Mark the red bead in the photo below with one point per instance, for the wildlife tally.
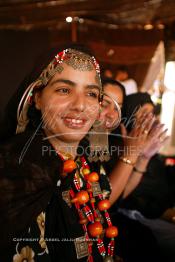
(93, 177)
(69, 166)
(95, 229)
(104, 205)
(111, 231)
(82, 197)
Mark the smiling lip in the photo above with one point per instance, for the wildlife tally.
(73, 122)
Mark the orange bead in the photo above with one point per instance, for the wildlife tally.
(82, 197)
(104, 205)
(93, 177)
(95, 229)
(69, 166)
(85, 171)
(83, 221)
(111, 231)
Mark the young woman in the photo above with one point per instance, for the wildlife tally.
(50, 199)
(53, 203)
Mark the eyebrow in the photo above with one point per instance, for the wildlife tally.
(93, 87)
(65, 81)
(73, 84)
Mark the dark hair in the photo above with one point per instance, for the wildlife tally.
(111, 81)
(132, 104)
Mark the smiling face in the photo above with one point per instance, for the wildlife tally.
(110, 115)
(115, 92)
(69, 103)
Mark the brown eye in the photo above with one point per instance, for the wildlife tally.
(93, 94)
(63, 90)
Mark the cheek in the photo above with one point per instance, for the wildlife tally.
(115, 117)
(92, 111)
(52, 105)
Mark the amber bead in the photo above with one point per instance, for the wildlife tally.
(82, 197)
(104, 205)
(93, 177)
(111, 231)
(95, 229)
(69, 166)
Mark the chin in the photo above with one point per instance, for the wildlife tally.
(70, 135)
(73, 138)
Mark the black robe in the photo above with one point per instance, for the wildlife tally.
(29, 172)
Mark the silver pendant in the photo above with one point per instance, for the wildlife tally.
(81, 247)
(96, 189)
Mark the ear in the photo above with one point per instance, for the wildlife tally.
(37, 99)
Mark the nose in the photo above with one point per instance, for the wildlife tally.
(78, 103)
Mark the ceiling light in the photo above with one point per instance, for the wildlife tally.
(148, 26)
(160, 26)
(81, 20)
(69, 19)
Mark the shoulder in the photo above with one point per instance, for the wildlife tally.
(28, 151)
(16, 145)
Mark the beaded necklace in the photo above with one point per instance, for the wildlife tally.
(91, 204)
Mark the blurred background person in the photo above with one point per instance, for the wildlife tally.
(130, 84)
(156, 191)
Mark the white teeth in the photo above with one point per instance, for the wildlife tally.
(75, 121)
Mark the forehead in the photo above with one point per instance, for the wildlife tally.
(77, 75)
(113, 90)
